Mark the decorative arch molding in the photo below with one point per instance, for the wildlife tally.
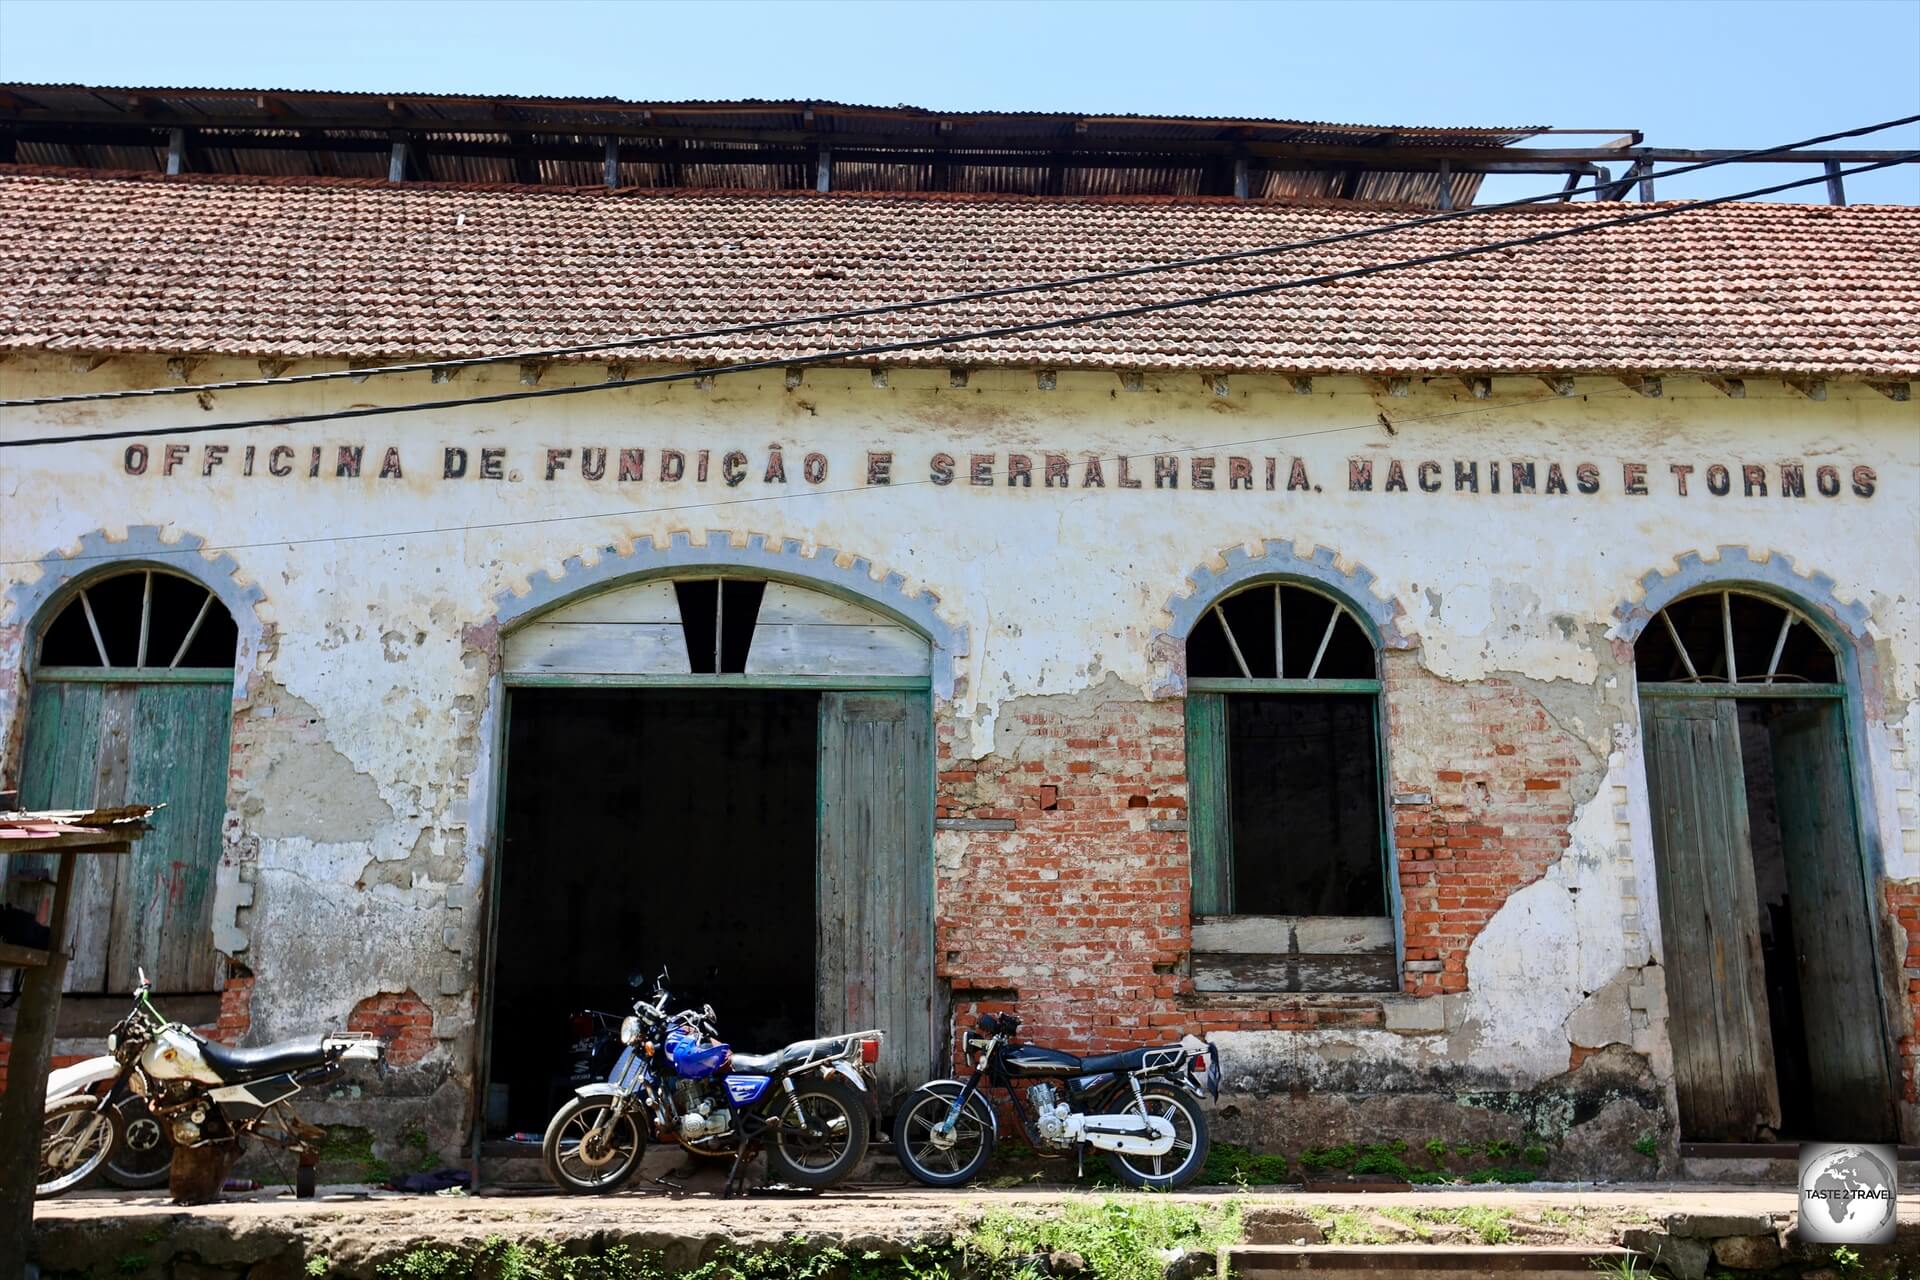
(1278, 561)
(1772, 575)
(782, 559)
(100, 555)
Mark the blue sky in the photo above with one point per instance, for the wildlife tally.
(1720, 74)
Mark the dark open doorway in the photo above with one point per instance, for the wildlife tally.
(645, 827)
(1767, 922)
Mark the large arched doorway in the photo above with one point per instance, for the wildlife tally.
(1774, 1003)
(130, 700)
(729, 775)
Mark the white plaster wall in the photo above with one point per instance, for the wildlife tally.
(370, 585)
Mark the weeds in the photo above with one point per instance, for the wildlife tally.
(1120, 1238)
(1235, 1166)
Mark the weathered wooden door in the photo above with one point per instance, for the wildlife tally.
(94, 743)
(874, 893)
(1852, 1084)
(1209, 814)
(1723, 1060)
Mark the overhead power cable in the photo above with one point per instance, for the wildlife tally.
(894, 308)
(757, 499)
(997, 331)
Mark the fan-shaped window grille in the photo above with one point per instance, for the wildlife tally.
(1732, 638)
(716, 626)
(146, 619)
(1285, 814)
(1278, 631)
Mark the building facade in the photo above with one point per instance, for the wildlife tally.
(1480, 699)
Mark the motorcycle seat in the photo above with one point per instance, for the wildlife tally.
(1130, 1060)
(267, 1060)
(766, 1064)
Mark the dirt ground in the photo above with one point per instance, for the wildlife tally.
(1562, 1215)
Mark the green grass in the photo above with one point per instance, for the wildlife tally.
(1120, 1237)
(1229, 1165)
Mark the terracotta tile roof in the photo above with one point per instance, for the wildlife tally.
(371, 271)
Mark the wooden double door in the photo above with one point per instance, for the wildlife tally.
(97, 742)
(1732, 1048)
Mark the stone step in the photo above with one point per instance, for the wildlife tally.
(1423, 1261)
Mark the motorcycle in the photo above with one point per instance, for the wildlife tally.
(1138, 1108)
(810, 1104)
(144, 1157)
(201, 1093)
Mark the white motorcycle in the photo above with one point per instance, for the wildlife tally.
(197, 1092)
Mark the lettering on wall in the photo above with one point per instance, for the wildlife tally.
(1031, 470)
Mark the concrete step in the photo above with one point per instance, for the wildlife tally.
(1423, 1261)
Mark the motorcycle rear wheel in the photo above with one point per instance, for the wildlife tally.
(1181, 1165)
(804, 1160)
(145, 1156)
(77, 1139)
(920, 1150)
(580, 1162)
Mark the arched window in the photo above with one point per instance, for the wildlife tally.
(1286, 822)
(144, 619)
(1732, 637)
(131, 702)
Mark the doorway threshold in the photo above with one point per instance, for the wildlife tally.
(1765, 1150)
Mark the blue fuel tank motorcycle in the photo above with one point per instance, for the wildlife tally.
(810, 1105)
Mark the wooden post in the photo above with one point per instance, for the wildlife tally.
(26, 1096)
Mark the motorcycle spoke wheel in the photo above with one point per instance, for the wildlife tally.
(924, 1147)
(1164, 1169)
(817, 1129)
(598, 1148)
(76, 1140)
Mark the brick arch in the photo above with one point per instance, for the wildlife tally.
(781, 559)
(1843, 624)
(1276, 561)
(100, 555)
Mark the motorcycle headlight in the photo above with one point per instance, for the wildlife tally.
(630, 1030)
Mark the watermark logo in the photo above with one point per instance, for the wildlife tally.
(1847, 1193)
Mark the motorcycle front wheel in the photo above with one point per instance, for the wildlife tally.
(77, 1139)
(939, 1160)
(822, 1136)
(1179, 1166)
(145, 1156)
(591, 1146)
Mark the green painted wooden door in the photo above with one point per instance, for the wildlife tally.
(94, 743)
(1852, 1082)
(874, 892)
(1209, 814)
(1709, 921)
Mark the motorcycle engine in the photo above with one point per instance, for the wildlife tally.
(703, 1112)
(1049, 1114)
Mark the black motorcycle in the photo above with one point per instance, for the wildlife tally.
(1138, 1108)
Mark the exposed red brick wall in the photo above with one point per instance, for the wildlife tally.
(1497, 820)
(236, 1012)
(1903, 904)
(1083, 909)
(401, 1019)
